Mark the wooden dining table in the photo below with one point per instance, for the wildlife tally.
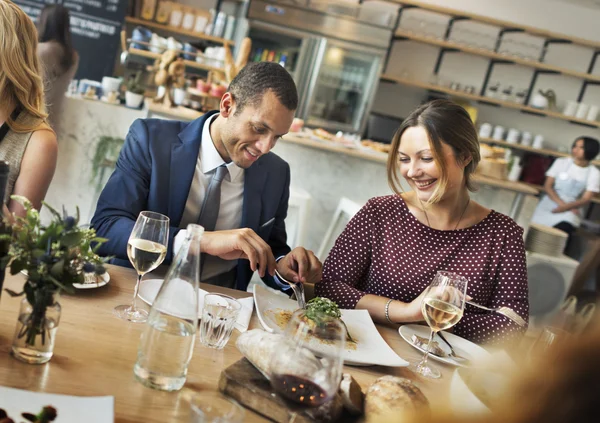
(95, 353)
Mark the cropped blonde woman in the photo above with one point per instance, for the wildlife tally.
(391, 250)
(27, 143)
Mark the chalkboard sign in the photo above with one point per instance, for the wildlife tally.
(95, 28)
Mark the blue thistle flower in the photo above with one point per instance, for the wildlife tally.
(89, 267)
(69, 222)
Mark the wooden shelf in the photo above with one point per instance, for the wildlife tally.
(500, 23)
(493, 55)
(489, 100)
(543, 151)
(155, 25)
(188, 63)
(198, 93)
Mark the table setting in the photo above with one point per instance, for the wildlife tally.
(259, 357)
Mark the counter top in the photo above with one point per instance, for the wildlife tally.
(178, 112)
(378, 157)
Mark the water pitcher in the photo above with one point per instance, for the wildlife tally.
(167, 343)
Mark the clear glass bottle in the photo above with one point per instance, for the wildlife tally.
(167, 343)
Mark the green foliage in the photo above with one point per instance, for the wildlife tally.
(53, 256)
(135, 86)
(106, 149)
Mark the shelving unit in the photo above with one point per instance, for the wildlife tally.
(487, 100)
(188, 63)
(447, 46)
(180, 31)
(498, 22)
(403, 34)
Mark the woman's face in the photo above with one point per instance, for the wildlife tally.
(578, 150)
(420, 170)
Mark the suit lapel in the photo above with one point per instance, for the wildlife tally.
(254, 181)
(184, 155)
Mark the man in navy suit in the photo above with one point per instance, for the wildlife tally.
(168, 167)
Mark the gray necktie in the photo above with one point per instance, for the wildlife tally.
(212, 201)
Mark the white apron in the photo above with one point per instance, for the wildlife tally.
(569, 190)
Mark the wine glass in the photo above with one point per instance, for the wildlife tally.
(146, 249)
(442, 308)
(296, 373)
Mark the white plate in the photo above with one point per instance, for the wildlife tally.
(371, 348)
(461, 346)
(102, 280)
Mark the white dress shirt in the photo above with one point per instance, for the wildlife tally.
(232, 197)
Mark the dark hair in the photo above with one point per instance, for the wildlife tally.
(591, 147)
(256, 79)
(54, 25)
(445, 122)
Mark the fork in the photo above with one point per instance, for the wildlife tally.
(298, 289)
(505, 311)
(452, 353)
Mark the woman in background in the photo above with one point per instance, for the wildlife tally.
(571, 182)
(390, 251)
(27, 143)
(58, 58)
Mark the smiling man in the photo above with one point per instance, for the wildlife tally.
(216, 171)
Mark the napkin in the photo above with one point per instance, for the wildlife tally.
(70, 409)
(149, 289)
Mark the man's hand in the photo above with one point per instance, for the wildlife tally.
(561, 208)
(240, 243)
(301, 265)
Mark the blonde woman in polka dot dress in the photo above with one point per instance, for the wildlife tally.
(390, 251)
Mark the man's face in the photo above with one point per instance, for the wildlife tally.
(249, 134)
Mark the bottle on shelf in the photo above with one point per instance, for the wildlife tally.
(283, 59)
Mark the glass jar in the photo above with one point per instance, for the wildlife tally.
(36, 329)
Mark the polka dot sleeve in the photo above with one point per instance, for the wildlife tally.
(348, 261)
(509, 289)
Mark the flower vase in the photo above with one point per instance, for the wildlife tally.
(35, 333)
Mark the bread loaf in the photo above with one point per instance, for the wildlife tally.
(393, 397)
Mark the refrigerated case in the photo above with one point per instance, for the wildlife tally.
(335, 59)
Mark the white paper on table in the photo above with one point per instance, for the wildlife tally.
(70, 409)
(149, 289)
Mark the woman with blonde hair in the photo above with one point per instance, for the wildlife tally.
(390, 251)
(27, 143)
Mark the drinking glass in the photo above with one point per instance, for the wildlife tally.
(219, 314)
(442, 307)
(296, 373)
(146, 249)
(213, 407)
(548, 338)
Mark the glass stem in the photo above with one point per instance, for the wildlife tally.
(423, 362)
(135, 294)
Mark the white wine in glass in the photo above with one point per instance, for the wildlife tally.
(146, 249)
(442, 308)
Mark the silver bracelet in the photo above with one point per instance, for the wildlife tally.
(387, 310)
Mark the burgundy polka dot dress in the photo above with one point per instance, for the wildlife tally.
(386, 251)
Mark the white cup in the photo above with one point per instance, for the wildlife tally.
(570, 108)
(485, 130)
(498, 132)
(176, 18)
(582, 111)
(526, 138)
(178, 96)
(513, 135)
(188, 21)
(593, 113)
(538, 141)
(515, 170)
(201, 22)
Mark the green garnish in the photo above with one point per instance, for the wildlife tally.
(321, 308)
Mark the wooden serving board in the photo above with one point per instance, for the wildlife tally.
(244, 383)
